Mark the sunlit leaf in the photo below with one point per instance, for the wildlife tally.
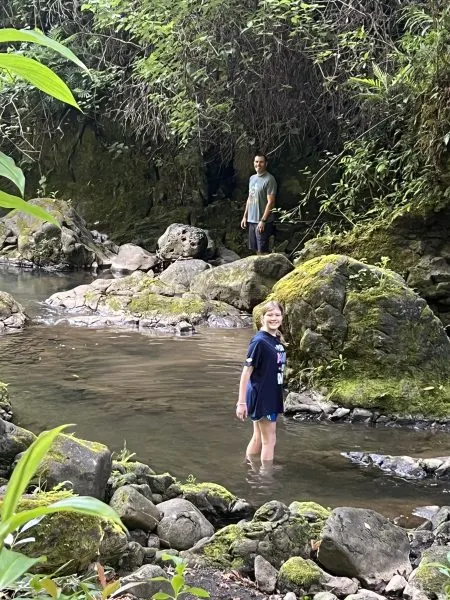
(38, 75)
(199, 592)
(12, 172)
(14, 565)
(10, 201)
(26, 468)
(37, 37)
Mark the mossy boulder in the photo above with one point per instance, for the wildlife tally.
(358, 333)
(242, 283)
(416, 246)
(275, 533)
(28, 240)
(5, 403)
(213, 500)
(142, 301)
(70, 540)
(301, 576)
(427, 578)
(12, 315)
(13, 441)
(83, 465)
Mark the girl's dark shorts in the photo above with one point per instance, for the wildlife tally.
(260, 241)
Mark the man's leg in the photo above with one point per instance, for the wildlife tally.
(252, 239)
(263, 239)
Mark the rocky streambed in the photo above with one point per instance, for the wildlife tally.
(231, 546)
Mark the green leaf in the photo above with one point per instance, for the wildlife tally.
(177, 583)
(9, 201)
(26, 468)
(199, 592)
(110, 588)
(37, 37)
(38, 75)
(9, 170)
(161, 596)
(13, 566)
(50, 587)
(84, 505)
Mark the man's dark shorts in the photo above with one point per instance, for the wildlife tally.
(260, 241)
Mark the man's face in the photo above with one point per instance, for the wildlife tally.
(260, 164)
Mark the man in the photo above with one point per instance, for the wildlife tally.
(258, 209)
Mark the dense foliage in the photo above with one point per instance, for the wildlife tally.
(365, 82)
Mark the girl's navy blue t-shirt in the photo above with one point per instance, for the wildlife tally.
(267, 356)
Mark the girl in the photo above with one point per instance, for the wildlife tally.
(261, 385)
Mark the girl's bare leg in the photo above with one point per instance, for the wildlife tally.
(255, 445)
(268, 430)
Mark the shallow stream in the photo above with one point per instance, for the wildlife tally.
(171, 400)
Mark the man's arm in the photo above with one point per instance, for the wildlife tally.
(244, 218)
(269, 206)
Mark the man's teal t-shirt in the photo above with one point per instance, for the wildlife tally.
(259, 187)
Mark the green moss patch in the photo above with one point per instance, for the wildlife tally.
(210, 489)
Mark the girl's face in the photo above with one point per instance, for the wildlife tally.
(272, 319)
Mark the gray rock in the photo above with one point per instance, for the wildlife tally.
(224, 256)
(12, 315)
(396, 584)
(136, 511)
(265, 575)
(341, 586)
(133, 557)
(34, 242)
(243, 283)
(180, 273)
(133, 258)
(339, 413)
(86, 465)
(365, 595)
(140, 583)
(362, 543)
(324, 596)
(182, 524)
(13, 441)
(292, 596)
(361, 414)
(153, 541)
(182, 241)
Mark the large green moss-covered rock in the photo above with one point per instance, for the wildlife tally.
(13, 441)
(83, 465)
(70, 540)
(359, 333)
(428, 579)
(142, 301)
(242, 283)
(275, 533)
(301, 576)
(417, 247)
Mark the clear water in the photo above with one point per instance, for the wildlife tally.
(172, 400)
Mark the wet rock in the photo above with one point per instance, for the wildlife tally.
(84, 465)
(265, 575)
(13, 441)
(182, 524)
(133, 258)
(6, 411)
(12, 315)
(134, 509)
(142, 302)
(339, 413)
(182, 241)
(406, 467)
(362, 543)
(243, 283)
(215, 502)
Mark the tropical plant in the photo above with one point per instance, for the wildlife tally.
(13, 564)
(177, 582)
(14, 65)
